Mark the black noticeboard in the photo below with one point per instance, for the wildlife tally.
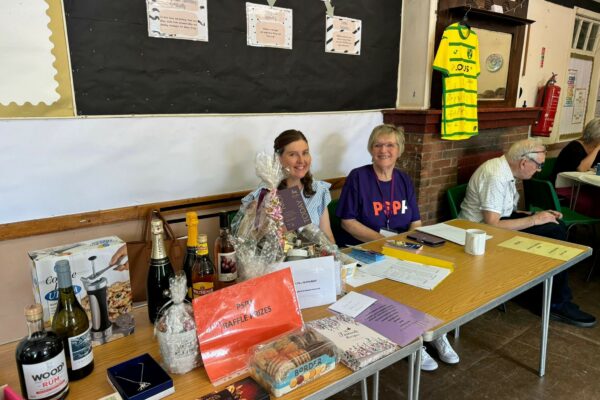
(118, 69)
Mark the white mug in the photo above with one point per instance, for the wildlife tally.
(475, 242)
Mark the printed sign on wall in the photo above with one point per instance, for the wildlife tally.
(268, 26)
(342, 35)
(178, 19)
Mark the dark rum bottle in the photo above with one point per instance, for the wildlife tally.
(224, 253)
(191, 220)
(160, 270)
(71, 323)
(41, 360)
(203, 273)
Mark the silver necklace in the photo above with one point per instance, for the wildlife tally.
(142, 385)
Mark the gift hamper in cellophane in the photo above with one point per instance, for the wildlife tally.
(291, 360)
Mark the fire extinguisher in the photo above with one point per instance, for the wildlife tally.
(547, 98)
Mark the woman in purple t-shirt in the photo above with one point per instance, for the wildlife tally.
(378, 198)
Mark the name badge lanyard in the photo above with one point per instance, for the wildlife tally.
(387, 209)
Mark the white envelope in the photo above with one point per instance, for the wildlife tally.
(314, 279)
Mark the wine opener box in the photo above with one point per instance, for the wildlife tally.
(100, 274)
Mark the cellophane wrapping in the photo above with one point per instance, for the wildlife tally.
(258, 229)
(176, 330)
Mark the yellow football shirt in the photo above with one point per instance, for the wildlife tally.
(457, 59)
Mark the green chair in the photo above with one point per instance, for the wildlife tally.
(545, 173)
(456, 195)
(334, 220)
(540, 195)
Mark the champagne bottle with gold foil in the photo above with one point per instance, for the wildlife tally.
(203, 273)
(191, 220)
(159, 272)
(71, 323)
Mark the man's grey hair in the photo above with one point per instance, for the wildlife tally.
(523, 147)
(591, 132)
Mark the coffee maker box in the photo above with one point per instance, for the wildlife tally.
(100, 274)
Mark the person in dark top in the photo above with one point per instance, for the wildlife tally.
(581, 155)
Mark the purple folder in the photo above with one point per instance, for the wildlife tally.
(399, 323)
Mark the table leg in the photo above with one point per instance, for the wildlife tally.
(572, 195)
(375, 391)
(576, 197)
(457, 332)
(363, 389)
(545, 323)
(411, 375)
(417, 379)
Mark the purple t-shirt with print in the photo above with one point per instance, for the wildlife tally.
(366, 199)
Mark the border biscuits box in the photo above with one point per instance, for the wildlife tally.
(291, 360)
(100, 273)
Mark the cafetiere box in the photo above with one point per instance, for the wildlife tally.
(100, 275)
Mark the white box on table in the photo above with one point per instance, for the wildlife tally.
(100, 274)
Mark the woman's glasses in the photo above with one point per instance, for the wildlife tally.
(387, 146)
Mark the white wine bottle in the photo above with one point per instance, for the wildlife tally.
(191, 220)
(71, 323)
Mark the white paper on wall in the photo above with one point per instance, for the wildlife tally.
(178, 19)
(343, 35)
(268, 26)
(26, 70)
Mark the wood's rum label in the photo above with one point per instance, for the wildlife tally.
(46, 378)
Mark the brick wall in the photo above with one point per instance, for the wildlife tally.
(432, 164)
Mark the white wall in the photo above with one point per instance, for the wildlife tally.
(553, 30)
(67, 166)
(417, 37)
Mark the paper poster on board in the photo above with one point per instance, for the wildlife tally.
(579, 103)
(571, 80)
(177, 19)
(268, 26)
(342, 35)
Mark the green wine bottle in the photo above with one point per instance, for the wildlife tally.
(71, 323)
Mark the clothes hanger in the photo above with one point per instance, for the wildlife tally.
(463, 22)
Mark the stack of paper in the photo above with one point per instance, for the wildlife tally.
(411, 273)
(448, 232)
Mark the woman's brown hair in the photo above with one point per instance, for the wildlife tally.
(285, 138)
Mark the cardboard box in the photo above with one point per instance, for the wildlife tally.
(100, 273)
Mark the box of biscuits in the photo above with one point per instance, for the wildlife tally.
(100, 274)
(292, 360)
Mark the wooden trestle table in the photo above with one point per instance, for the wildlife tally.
(195, 383)
(479, 283)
